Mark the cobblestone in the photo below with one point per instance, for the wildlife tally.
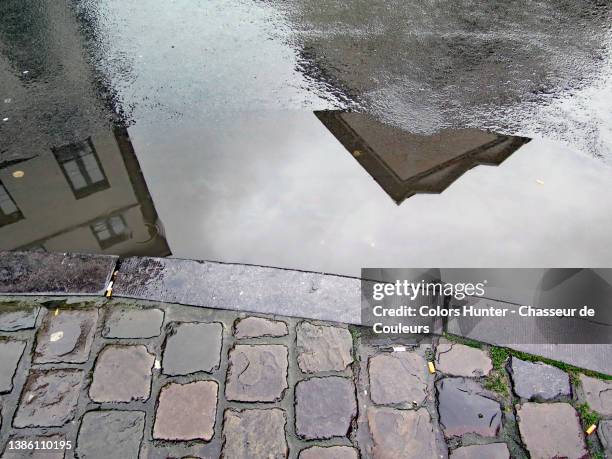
(538, 381)
(257, 327)
(110, 434)
(545, 436)
(329, 452)
(323, 348)
(257, 373)
(186, 411)
(490, 451)
(10, 354)
(122, 374)
(464, 409)
(131, 322)
(399, 377)
(325, 407)
(406, 434)
(598, 394)
(15, 317)
(459, 360)
(66, 337)
(49, 398)
(255, 434)
(193, 347)
(269, 397)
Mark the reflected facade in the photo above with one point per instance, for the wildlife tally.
(405, 164)
(87, 196)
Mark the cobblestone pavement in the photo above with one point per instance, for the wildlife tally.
(117, 379)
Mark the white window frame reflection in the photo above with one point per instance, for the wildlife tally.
(110, 231)
(82, 168)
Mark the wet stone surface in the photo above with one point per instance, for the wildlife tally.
(459, 360)
(463, 409)
(256, 327)
(323, 348)
(10, 354)
(545, 436)
(399, 377)
(15, 317)
(330, 452)
(254, 434)
(130, 322)
(106, 434)
(406, 434)
(193, 347)
(186, 411)
(604, 431)
(598, 394)
(66, 337)
(49, 398)
(257, 373)
(325, 407)
(122, 374)
(36, 272)
(538, 381)
(490, 451)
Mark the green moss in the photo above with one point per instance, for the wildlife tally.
(499, 356)
(588, 416)
(497, 383)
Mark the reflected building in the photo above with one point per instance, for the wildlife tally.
(88, 196)
(405, 164)
(69, 177)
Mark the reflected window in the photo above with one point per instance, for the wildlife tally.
(82, 168)
(110, 231)
(9, 212)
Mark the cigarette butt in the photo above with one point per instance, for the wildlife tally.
(109, 292)
(540, 182)
(432, 367)
(56, 311)
(591, 429)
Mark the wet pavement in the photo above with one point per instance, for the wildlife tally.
(277, 391)
(218, 148)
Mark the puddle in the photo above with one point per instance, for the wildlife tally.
(238, 146)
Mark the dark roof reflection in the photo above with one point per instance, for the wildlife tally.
(405, 164)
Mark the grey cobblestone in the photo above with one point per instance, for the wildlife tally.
(49, 398)
(398, 377)
(130, 322)
(257, 373)
(10, 354)
(324, 407)
(538, 381)
(193, 347)
(17, 316)
(329, 452)
(122, 374)
(459, 360)
(598, 394)
(406, 434)
(186, 411)
(66, 336)
(257, 327)
(110, 434)
(323, 348)
(254, 434)
(545, 436)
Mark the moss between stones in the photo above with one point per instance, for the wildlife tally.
(587, 415)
